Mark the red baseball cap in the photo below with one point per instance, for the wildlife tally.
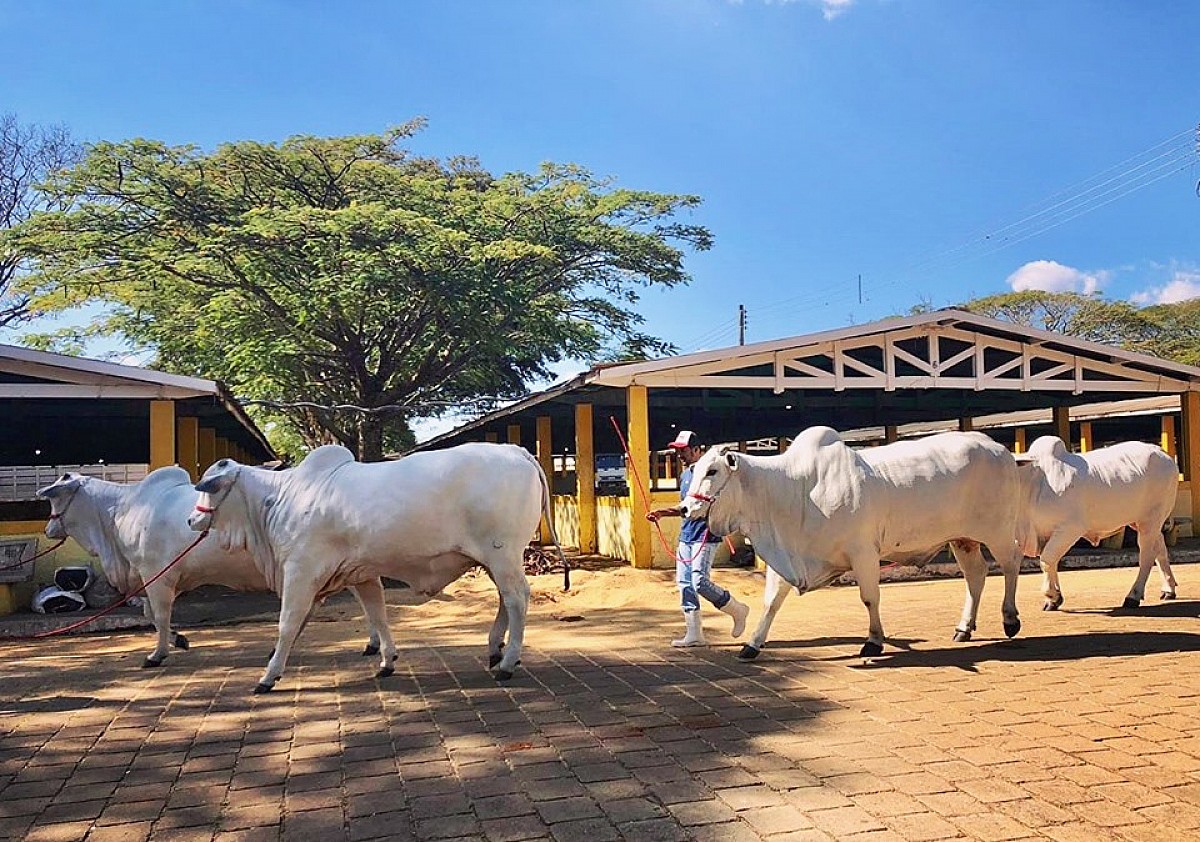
(685, 439)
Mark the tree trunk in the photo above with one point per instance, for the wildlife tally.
(370, 438)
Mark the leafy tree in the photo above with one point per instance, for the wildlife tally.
(28, 155)
(1177, 331)
(1088, 317)
(348, 284)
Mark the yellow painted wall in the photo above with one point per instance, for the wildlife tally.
(612, 526)
(566, 519)
(70, 554)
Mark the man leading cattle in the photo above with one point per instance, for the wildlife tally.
(426, 519)
(694, 555)
(821, 509)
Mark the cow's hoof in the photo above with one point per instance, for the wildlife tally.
(181, 642)
(1052, 603)
(1012, 627)
(1167, 595)
(493, 660)
(748, 653)
(151, 663)
(503, 675)
(1130, 602)
(371, 649)
(384, 672)
(961, 636)
(261, 688)
(871, 650)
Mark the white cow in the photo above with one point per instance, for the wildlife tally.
(821, 509)
(1069, 496)
(138, 529)
(427, 519)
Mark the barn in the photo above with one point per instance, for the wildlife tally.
(116, 422)
(877, 382)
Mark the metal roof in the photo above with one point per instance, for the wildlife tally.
(930, 367)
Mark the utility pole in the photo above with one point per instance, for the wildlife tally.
(741, 324)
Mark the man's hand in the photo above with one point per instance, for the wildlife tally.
(659, 513)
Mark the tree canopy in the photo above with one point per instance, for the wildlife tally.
(347, 284)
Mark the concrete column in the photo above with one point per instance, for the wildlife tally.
(1086, 442)
(514, 433)
(638, 437)
(206, 446)
(891, 433)
(1061, 419)
(187, 439)
(1019, 446)
(966, 425)
(1190, 402)
(162, 434)
(585, 478)
(545, 457)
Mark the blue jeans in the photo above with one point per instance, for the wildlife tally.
(693, 566)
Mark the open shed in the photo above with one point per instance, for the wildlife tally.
(892, 376)
(62, 413)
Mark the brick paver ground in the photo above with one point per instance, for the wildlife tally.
(1084, 728)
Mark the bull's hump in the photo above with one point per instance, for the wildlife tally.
(327, 457)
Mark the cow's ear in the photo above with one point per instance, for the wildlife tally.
(731, 459)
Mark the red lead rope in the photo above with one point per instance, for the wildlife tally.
(116, 605)
(36, 557)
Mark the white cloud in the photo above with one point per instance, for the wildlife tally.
(830, 9)
(1051, 276)
(1182, 287)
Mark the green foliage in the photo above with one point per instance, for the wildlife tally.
(1169, 331)
(337, 271)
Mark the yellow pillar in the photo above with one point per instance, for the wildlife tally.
(1019, 446)
(1190, 402)
(1086, 442)
(1061, 418)
(491, 437)
(187, 431)
(891, 433)
(638, 438)
(206, 446)
(545, 457)
(1168, 435)
(162, 434)
(585, 478)
(514, 433)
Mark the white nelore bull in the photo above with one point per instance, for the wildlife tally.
(1069, 496)
(821, 509)
(138, 529)
(427, 519)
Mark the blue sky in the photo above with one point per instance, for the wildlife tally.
(911, 142)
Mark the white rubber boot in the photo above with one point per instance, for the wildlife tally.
(695, 632)
(739, 611)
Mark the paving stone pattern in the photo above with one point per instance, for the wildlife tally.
(1085, 727)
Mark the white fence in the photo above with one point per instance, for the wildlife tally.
(21, 482)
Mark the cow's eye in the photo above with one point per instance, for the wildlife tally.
(711, 472)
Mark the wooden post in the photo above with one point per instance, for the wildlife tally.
(187, 445)
(1086, 442)
(545, 457)
(585, 478)
(638, 438)
(891, 433)
(1168, 435)
(514, 433)
(1019, 446)
(1190, 403)
(206, 446)
(1061, 417)
(162, 434)
(966, 425)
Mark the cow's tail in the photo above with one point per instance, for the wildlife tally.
(546, 513)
